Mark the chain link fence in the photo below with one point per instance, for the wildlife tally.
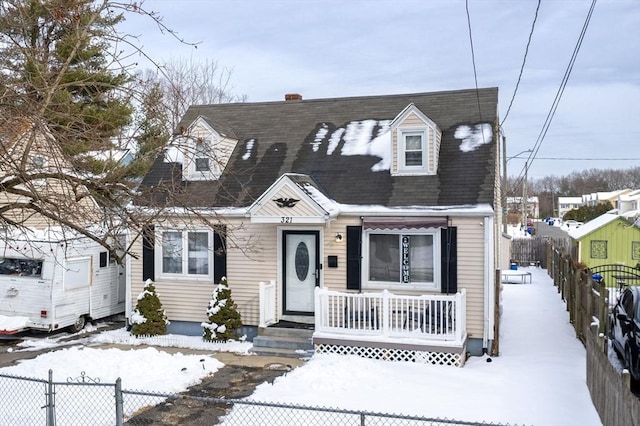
(86, 401)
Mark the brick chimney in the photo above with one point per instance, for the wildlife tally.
(292, 97)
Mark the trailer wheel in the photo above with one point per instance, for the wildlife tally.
(79, 324)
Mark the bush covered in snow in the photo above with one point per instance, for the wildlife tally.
(148, 318)
(223, 316)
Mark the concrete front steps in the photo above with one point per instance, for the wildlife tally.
(284, 342)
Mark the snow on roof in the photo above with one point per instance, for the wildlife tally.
(592, 225)
(474, 137)
(173, 154)
(322, 200)
(116, 155)
(248, 149)
(359, 140)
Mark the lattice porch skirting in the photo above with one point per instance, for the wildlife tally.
(409, 353)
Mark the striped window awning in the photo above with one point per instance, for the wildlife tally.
(403, 222)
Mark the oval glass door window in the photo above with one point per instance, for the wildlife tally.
(302, 261)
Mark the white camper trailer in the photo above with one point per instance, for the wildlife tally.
(50, 280)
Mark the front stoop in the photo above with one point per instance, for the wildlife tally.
(285, 342)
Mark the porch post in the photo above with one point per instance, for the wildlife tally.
(320, 309)
(385, 313)
(261, 301)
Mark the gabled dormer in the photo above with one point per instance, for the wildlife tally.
(415, 143)
(205, 150)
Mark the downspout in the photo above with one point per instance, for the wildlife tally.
(489, 292)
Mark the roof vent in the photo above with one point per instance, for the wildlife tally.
(292, 97)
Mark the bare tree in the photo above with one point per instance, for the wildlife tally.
(69, 87)
(189, 82)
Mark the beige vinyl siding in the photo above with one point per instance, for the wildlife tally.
(413, 120)
(471, 271)
(270, 208)
(251, 258)
(436, 151)
(58, 192)
(336, 278)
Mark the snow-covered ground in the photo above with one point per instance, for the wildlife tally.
(538, 379)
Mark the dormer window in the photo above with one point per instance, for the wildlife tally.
(414, 149)
(202, 150)
(415, 144)
(202, 155)
(201, 165)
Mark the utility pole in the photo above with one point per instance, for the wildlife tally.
(505, 206)
(524, 194)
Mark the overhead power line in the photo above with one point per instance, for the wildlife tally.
(473, 61)
(524, 61)
(559, 93)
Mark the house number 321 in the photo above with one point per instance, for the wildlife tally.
(286, 219)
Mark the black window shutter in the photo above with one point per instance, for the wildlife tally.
(148, 266)
(219, 255)
(449, 260)
(354, 257)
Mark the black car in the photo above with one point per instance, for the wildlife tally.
(625, 330)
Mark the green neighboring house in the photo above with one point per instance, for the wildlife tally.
(609, 239)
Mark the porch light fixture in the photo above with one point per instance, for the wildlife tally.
(339, 237)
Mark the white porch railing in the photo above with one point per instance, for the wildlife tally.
(384, 315)
(267, 303)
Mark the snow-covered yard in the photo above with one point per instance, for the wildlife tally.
(538, 379)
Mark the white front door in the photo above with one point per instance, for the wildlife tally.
(301, 271)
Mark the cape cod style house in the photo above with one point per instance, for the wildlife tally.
(375, 219)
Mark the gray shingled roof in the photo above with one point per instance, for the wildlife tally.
(283, 135)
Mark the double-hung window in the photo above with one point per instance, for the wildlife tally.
(186, 253)
(201, 164)
(202, 154)
(413, 152)
(401, 259)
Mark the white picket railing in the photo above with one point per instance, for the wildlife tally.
(267, 303)
(383, 315)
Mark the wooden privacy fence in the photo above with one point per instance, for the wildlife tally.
(588, 305)
(528, 251)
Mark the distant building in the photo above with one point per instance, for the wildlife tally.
(596, 198)
(616, 199)
(568, 203)
(514, 205)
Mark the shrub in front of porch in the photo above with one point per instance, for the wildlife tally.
(148, 318)
(223, 317)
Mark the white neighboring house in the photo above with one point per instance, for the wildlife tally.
(568, 203)
(532, 207)
(50, 279)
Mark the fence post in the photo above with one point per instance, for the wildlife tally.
(386, 320)
(51, 414)
(119, 402)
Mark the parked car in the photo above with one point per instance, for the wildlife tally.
(570, 224)
(624, 331)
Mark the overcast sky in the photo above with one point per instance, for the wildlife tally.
(323, 49)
